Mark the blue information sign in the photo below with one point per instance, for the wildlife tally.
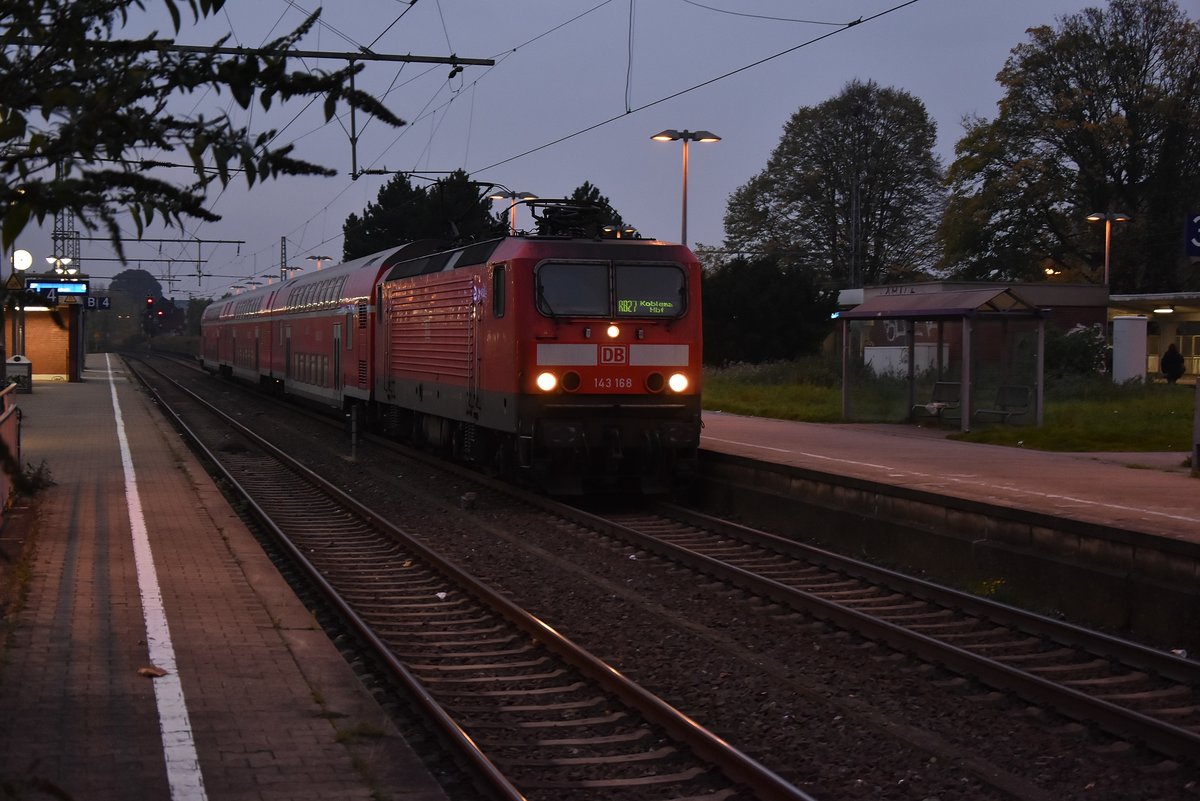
(1193, 234)
(61, 287)
(54, 292)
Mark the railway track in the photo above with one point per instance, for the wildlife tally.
(1126, 689)
(532, 713)
(1008, 735)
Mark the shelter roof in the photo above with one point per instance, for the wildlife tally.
(1184, 306)
(992, 301)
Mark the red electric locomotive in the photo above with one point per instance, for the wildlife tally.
(575, 360)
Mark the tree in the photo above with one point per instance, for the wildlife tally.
(195, 314)
(87, 119)
(588, 193)
(451, 209)
(756, 310)
(129, 292)
(123, 324)
(1101, 113)
(851, 194)
(133, 287)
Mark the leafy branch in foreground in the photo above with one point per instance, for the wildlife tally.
(88, 119)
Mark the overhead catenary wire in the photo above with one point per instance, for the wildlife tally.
(842, 28)
(438, 103)
(845, 27)
(427, 111)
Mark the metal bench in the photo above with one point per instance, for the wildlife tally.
(944, 403)
(1012, 400)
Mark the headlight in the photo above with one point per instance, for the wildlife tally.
(678, 382)
(613, 331)
(546, 381)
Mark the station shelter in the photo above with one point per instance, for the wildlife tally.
(45, 333)
(959, 354)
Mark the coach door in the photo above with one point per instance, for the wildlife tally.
(337, 355)
(474, 358)
(287, 352)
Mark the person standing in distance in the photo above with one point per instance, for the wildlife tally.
(1172, 364)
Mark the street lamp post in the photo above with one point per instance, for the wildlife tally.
(671, 135)
(1108, 219)
(515, 197)
(319, 260)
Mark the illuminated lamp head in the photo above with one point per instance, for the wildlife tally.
(678, 382)
(546, 382)
(613, 331)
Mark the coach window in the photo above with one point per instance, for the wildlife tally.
(650, 290)
(498, 273)
(577, 289)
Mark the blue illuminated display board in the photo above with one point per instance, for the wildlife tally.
(62, 287)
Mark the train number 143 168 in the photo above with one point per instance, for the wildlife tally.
(609, 382)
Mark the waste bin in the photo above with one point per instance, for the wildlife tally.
(19, 370)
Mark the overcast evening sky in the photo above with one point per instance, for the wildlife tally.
(578, 88)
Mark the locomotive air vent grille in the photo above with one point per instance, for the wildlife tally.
(362, 315)
(362, 372)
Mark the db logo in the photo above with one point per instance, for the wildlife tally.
(614, 354)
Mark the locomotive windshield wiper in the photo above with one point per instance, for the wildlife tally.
(542, 302)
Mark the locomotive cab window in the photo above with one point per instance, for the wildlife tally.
(498, 273)
(606, 290)
(573, 289)
(650, 290)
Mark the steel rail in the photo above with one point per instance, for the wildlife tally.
(442, 722)
(735, 764)
(1156, 734)
(1130, 653)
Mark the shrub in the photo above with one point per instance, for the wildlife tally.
(1081, 351)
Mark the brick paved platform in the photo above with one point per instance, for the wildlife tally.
(1149, 493)
(257, 705)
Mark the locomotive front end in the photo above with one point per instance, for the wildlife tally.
(613, 371)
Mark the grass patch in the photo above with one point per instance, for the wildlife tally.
(807, 390)
(794, 402)
(1151, 418)
(1083, 413)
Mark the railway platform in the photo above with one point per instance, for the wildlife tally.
(158, 654)
(1147, 493)
(1108, 540)
(142, 568)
